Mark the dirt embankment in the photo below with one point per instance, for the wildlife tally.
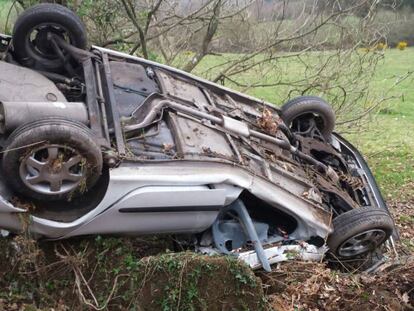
(314, 286)
(141, 274)
(113, 274)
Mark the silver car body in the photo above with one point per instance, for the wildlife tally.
(158, 192)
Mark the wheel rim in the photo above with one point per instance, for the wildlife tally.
(311, 121)
(362, 243)
(40, 46)
(53, 169)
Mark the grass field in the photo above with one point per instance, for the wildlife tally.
(8, 15)
(388, 142)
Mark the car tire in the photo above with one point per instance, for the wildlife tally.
(37, 52)
(359, 231)
(52, 159)
(303, 105)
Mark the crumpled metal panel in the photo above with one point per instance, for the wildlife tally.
(236, 145)
(306, 252)
(312, 220)
(198, 141)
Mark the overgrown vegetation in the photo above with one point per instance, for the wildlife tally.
(114, 274)
(120, 274)
(326, 47)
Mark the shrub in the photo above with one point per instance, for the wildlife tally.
(402, 45)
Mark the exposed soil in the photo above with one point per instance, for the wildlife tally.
(142, 274)
(112, 274)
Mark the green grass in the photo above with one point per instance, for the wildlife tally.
(388, 140)
(8, 14)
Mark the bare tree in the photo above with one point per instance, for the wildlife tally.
(208, 36)
(281, 48)
(142, 31)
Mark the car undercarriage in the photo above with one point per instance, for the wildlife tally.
(100, 142)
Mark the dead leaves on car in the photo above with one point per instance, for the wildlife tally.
(269, 122)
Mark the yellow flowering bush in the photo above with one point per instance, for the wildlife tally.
(402, 45)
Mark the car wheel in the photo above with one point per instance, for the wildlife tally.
(52, 159)
(297, 112)
(359, 231)
(30, 43)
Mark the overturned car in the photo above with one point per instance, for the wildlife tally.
(100, 142)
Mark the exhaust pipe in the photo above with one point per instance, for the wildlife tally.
(14, 114)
